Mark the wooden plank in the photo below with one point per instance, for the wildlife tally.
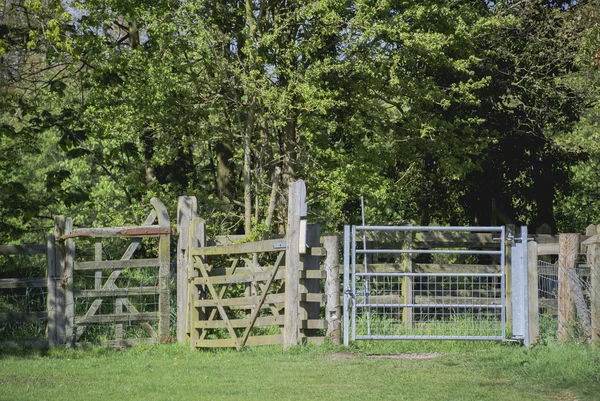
(127, 231)
(33, 249)
(30, 317)
(8, 283)
(115, 318)
(569, 248)
(97, 258)
(116, 292)
(333, 309)
(313, 274)
(240, 323)
(117, 264)
(445, 300)
(187, 209)
(230, 343)
(434, 268)
(548, 249)
(532, 290)
(407, 282)
(239, 278)
(296, 210)
(236, 249)
(314, 324)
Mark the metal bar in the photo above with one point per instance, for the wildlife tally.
(424, 337)
(466, 306)
(366, 290)
(353, 282)
(503, 280)
(346, 284)
(399, 274)
(432, 251)
(428, 228)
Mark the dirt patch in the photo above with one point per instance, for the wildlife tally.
(410, 357)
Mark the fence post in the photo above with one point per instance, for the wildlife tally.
(510, 230)
(407, 283)
(164, 271)
(594, 260)
(68, 274)
(196, 238)
(296, 210)
(333, 310)
(308, 308)
(51, 277)
(567, 256)
(532, 283)
(58, 281)
(187, 208)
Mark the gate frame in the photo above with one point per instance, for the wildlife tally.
(350, 262)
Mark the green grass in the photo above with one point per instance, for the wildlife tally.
(465, 371)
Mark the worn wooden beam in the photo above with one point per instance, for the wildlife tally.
(115, 318)
(116, 292)
(532, 284)
(34, 249)
(238, 278)
(569, 248)
(333, 308)
(187, 210)
(296, 210)
(117, 264)
(11, 317)
(128, 231)
(236, 249)
(8, 283)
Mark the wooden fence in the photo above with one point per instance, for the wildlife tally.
(576, 271)
(9, 285)
(261, 292)
(84, 294)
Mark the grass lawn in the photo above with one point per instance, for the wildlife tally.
(458, 371)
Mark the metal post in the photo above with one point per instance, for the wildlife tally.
(353, 282)
(346, 283)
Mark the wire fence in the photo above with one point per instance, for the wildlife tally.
(577, 302)
(423, 305)
(23, 312)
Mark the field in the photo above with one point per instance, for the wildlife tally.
(408, 370)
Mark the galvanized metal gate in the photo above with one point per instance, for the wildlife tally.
(411, 282)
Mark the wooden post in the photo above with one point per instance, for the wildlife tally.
(309, 310)
(296, 210)
(532, 290)
(196, 238)
(333, 310)
(187, 208)
(594, 260)
(59, 283)
(68, 274)
(51, 299)
(407, 284)
(567, 256)
(164, 271)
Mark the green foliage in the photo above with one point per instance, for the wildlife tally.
(431, 110)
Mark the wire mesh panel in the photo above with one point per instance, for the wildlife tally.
(427, 283)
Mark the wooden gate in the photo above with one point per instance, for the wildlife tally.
(264, 292)
(118, 301)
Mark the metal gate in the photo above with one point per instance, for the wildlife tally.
(411, 282)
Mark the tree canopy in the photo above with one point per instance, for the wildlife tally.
(440, 112)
